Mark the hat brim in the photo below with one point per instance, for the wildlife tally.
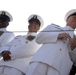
(69, 13)
(38, 17)
(8, 14)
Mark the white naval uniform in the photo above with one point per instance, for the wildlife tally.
(53, 52)
(22, 51)
(6, 37)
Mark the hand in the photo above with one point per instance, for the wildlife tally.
(72, 42)
(6, 55)
(64, 35)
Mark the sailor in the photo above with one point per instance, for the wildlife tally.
(18, 53)
(52, 58)
(5, 36)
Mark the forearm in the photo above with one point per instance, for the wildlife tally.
(22, 52)
(46, 37)
(4, 48)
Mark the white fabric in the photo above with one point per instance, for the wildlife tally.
(6, 37)
(41, 69)
(54, 52)
(37, 69)
(52, 71)
(9, 71)
(22, 51)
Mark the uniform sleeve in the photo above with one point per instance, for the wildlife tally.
(47, 35)
(25, 50)
(6, 42)
(3, 48)
(8, 37)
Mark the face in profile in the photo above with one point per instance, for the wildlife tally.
(3, 24)
(33, 26)
(71, 21)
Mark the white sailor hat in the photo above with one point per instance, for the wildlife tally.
(6, 16)
(70, 13)
(36, 18)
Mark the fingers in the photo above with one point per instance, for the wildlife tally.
(67, 36)
(64, 35)
(72, 43)
(6, 55)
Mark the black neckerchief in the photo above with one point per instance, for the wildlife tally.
(30, 37)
